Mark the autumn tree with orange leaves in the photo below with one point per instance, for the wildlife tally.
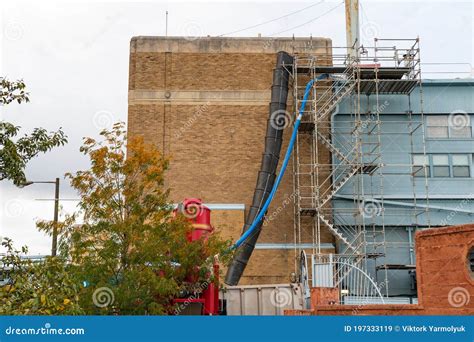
(129, 253)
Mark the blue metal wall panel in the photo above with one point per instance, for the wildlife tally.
(450, 199)
(439, 97)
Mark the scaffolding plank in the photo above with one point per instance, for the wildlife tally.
(308, 211)
(387, 86)
(366, 72)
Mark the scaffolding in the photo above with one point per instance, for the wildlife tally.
(328, 157)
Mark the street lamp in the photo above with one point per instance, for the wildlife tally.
(56, 210)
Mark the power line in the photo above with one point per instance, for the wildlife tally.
(309, 21)
(272, 20)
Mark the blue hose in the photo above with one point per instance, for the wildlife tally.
(264, 209)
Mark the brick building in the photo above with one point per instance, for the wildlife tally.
(204, 103)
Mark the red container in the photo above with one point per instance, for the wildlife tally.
(199, 215)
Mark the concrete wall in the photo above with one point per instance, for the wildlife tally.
(204, 102)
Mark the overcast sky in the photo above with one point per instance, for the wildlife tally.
(74, 58)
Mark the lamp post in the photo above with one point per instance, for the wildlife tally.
(56, 211)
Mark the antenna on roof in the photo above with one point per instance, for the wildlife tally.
(166, 31)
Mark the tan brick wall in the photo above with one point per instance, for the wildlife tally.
(228, 223)
(205, 104)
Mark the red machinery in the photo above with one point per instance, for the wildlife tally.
(208, 298)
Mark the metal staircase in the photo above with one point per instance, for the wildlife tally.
(312, 194)
(339, 183)
(328, 162)
(334, 150)
(338, 233)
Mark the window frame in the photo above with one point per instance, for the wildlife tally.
(468, 165)
(420, 172)
(428, 126)
(433, 166)
(450, 166)
(448, 127)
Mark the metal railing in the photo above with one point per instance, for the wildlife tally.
(347, 274)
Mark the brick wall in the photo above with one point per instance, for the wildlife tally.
(205, 104)
(444, 279)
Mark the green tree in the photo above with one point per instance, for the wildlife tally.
(16, 152)
(43, 287)
(130, 250)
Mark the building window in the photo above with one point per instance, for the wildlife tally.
(455, 125)
(440, 165)
(460, 125)
(437, 126)
(420, 162)
(461, 165)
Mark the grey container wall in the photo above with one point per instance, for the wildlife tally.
(262, 300)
